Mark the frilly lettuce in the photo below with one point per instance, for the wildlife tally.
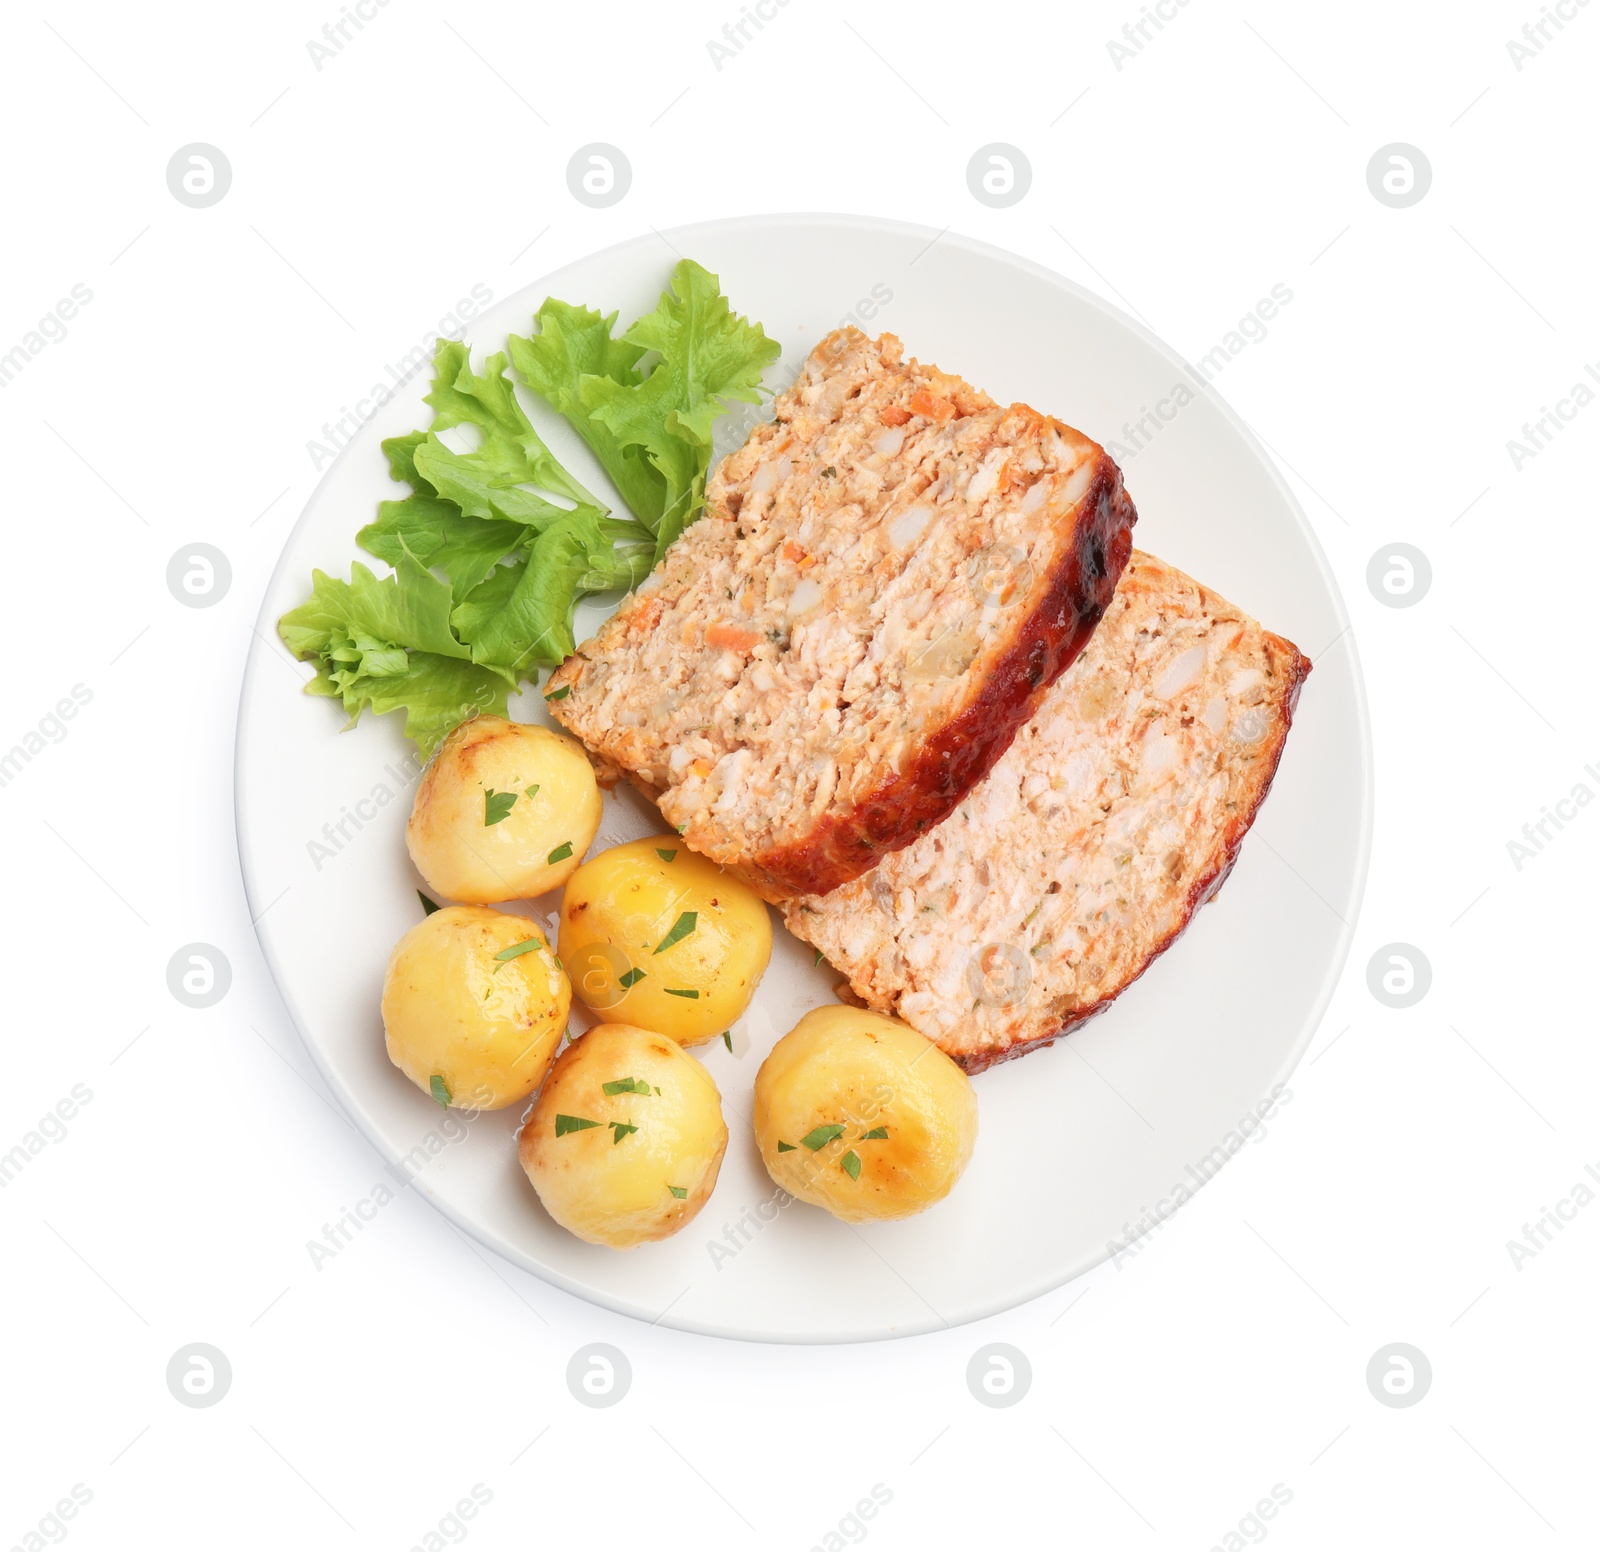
(496, 542)
(703, 354)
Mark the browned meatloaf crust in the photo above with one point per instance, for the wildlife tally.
(886, 579)
(1114, 815)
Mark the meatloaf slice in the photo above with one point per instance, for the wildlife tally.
(887, 578)
(1113, 816)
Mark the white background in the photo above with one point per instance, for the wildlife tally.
(1170, 1394)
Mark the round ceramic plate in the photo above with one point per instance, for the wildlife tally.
(1139, 1103)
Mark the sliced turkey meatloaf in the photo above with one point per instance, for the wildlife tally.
(1113, 816)
(887, 578)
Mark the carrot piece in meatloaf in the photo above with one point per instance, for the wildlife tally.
(886, 580)
(1115, 814)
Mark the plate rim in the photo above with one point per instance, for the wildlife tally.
(351, 1105)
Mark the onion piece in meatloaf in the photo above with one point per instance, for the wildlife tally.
(886, 580)
(1114, 815)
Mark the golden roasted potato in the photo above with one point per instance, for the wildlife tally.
(858, 1113)
(654, 934)
(625, 1140)
(474, 1005)
(505, 811)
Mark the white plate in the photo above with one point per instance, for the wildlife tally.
(1076, 1142)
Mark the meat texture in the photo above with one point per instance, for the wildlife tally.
(886, 580)
(1113, 816)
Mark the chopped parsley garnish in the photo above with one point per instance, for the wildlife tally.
(566, 1123)
(561, 694)
(727, 1038)
(681, 929)
(561, 853)
(531, 792)
(428, 906)
(875, 1134)
(679, 1191)
(851, 1164)
(621, 1129)
(630, 978)
(816, 959)
(680, 991)
(625, 1086)
(664, 854)
(439, 1089)
(517, 950)
(785, 1147)
(681, 828)
(497, 806)
(821, 1136)
(829, 472)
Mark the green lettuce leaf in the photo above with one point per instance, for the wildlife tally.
(521, 615)
(438, 534)
(508, 612)
(574, 343)
(401, 451)
(707, 355)
(410, 609)
(386, 643)
(436, 693)
(489, 481)
(535, 623)
(471, 617)
(494, 547)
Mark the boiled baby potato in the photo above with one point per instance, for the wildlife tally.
(474, 1005)
(654, 934)
(625, 1140)
(505, 812)
(858, 1113)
